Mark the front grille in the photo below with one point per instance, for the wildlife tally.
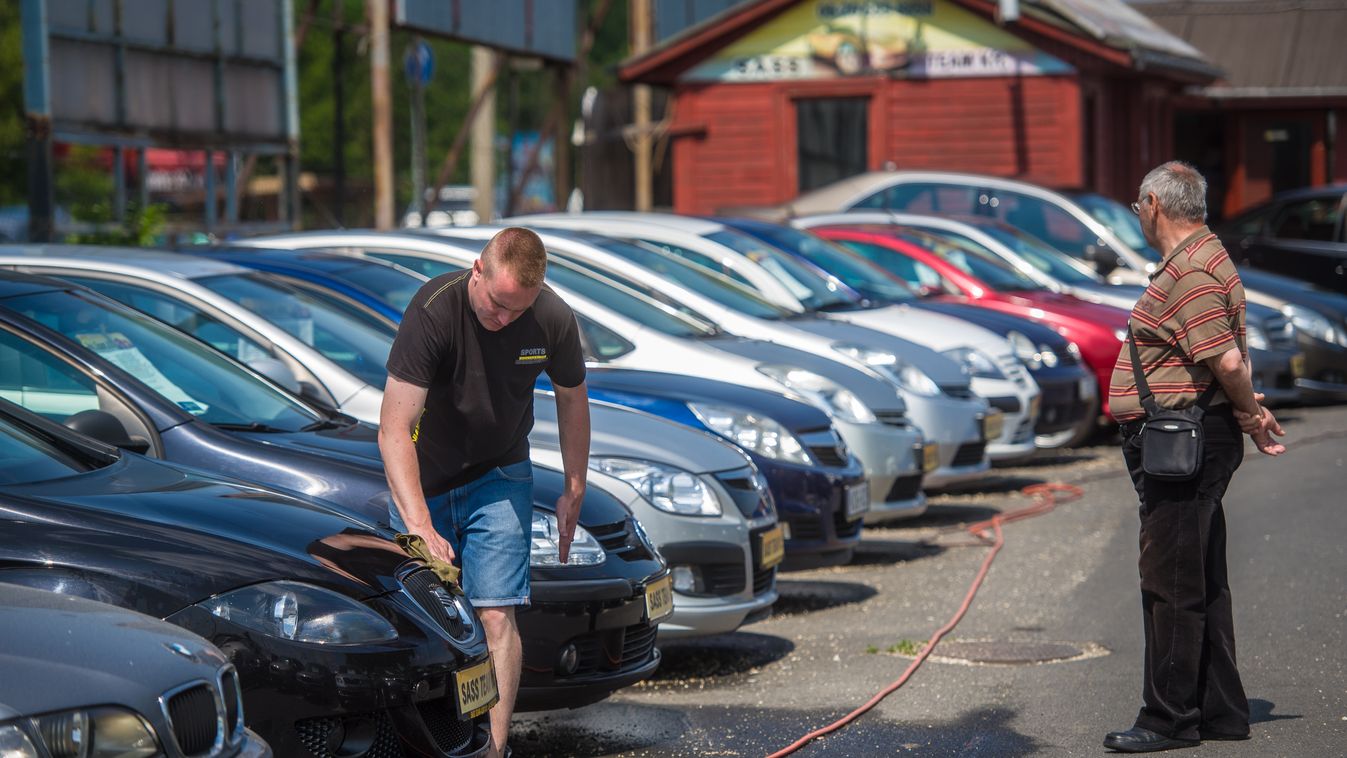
(192, 716)
(846, 528)
(892, 418)
(430, 594)
(763, 579)
(325, 736)
(614, 649)
(721, 579)
(441, 720)
(614, 537)
(807, 529)
(1281, 334)
(1024, 432)
(232, 700)
(969, 454)
(904, 488)
(826, 446)
(828, 456)
(1007, 404)
(1012, 368)
(961, 391)
(743, 486)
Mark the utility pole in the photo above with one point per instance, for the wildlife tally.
(339, 113)
(640, 35)
(482, 159)
(382, 101)
(420, 64)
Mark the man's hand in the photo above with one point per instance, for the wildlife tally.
(1261, 428)
(568, 513)
(439, 547)
(1252, 423)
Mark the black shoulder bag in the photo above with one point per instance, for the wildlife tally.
(1171, 440)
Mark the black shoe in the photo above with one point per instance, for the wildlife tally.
(1138, 740)
(1220, 736)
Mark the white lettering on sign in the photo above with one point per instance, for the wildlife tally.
(769, 67)
(973, 62)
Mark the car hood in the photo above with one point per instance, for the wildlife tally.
(876, 393)
(353, 444)
(192, 535)
(1332, 304)
(625, 433)
(999, 322)
(945, 371)
(934, 330)
(65, 652)
(1114, 295)
(1055, 304)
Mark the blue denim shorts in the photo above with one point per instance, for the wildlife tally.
(489, 524)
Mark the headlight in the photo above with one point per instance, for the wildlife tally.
(1048, 356)
(1255, 337)
(975, 362)
(95, 733)
(1025, 350)
(1074, 349)
(821, 391)
(302, 613)
(750, 431)
(669, 489)
(585, 550)
(903, 374)
(1315, 324)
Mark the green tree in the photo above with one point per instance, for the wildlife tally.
(13, 174)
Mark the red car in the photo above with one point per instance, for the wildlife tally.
(959, 271)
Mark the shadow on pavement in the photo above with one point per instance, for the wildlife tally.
(995, 484)
(628, 729)
(723, 657)
(1260, 711)
(872, 552)
(952, 514)
(799, 596)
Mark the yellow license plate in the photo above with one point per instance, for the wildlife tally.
(773, 547)
(992, 425)
(1035, 405)
(1298, 365)
(476, 688)
(930, 458)
(659, 599)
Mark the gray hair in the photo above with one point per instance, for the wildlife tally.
(1180, 191)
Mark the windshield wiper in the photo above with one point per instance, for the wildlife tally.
(251, 426)
(843, 305)
(335, 421)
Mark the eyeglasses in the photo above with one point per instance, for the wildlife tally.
(1136, 207)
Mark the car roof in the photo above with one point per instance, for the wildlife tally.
(693, 224)
(314, 260)
(184, 264)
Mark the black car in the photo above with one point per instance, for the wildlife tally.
(83, 678)
(78, 358)
(1298, 233)
(341, 642)
(809, 485)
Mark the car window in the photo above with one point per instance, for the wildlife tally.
(1042, 219)
(975, 260)
(343, 339)
(426, 267)
(391, 286)
(811, 289)
(1253, 222)
(1313, 219)
(925, 197)
(26, 458)
(623, 301)
(855, 273)
(1042, 256)
(185, 372)
(918, 275)
(358, 311)
(182, 316)
(51, 387)
(701, 259)
(604, 344)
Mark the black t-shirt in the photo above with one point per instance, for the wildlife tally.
(479, 408)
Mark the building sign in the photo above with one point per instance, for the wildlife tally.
(824, 39)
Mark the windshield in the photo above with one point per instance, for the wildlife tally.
(184, 371)
(974, 260)
(857, 274)
(627, 303)
(812, 290)
(395, 288)
(26, 457)
(427, 267)
(351, 343)
(1041, 256)
(1120, 220)
(701, 280)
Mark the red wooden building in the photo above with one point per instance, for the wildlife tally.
(774, 97)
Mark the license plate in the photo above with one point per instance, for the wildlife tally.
(476, 688)
(773, 547)
(992, 425)
(1087, 388)
(1035, 405)
(659, 599)
(930, 458)
(1298, 365)
(858, 500)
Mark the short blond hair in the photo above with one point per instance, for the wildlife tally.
(519, 251)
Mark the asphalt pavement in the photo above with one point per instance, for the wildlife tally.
(1046, 661)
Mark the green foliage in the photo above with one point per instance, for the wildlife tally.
(13, 175)
(142, 228)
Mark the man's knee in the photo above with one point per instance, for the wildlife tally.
(498, 621)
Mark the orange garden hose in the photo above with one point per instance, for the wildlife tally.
(1046, 497)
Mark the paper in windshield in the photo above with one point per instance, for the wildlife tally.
(122, 353)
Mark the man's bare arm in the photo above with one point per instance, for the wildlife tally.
(401, 411)
(1235, 374)
(573, 425)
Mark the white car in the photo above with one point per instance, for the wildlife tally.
(994, 370)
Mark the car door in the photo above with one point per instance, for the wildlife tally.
(1303, 238)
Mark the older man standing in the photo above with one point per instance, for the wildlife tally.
(1188, 330)
(454, 427)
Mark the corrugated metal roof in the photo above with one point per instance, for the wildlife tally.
(1119, 25)
(1268, 48)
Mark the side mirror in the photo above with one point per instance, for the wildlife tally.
(277, 372)
(105, 428)
(1104, 259)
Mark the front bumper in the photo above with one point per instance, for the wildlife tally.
(955, 425)
(1325, 377)
(892, 458)
(1274, 374)
(1018, 401)
(811, 504)
(399, 694)
(604, 621)
(1069, 393)
(733, 587)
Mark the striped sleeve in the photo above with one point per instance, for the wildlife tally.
(1205, 328)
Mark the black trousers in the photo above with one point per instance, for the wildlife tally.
(1190, 678)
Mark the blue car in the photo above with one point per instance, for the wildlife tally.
(805, 462)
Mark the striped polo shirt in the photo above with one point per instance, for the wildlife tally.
(1192, 310)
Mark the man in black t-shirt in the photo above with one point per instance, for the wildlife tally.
(454, 427)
